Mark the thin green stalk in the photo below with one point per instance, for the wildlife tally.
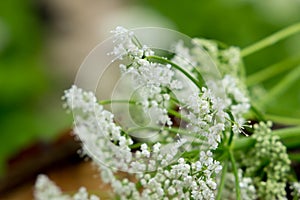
(270, 40)
(137, 42)
(257, 113)
(230, 138)
(176, 101)
(171, 129)
(271, 71)
(135, 145)
(294, 157)
(236, 175)
(170, 111)
(222, 183)
(177, 114)
(243, 143)
(187, 74)
(231, 132)
(281, 87)
(289, 136)
(106, 102)
(174, 113)
(283, 120)
(284, 134)
(287, 132)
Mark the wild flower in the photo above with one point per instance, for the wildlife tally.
(197, 100)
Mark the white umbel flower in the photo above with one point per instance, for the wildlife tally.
(45, 189)
(160, 167)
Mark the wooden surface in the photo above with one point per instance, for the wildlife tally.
(69, 178)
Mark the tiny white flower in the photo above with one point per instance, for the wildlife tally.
(171, 191)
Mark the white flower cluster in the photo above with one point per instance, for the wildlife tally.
(183, 56)
(46, 189)
(206, 117)
(182, 180)
(236, 102)
(227, 59)
(96, 129)
(233, 90)
(160, 169)
(227, 92)
(154, 78)
(222, 95)
(98, 133)
(127, 46)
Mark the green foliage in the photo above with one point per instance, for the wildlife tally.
(21, 75)
(24, 114)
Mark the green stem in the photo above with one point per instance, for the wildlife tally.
(281, 87)
(105, 102)
(187, 74)
(223, 178)
(230, 138)
(135, 145)
(137, 42)
(236, 175)
(283, 120)
(174, 113)
(294, 157)
(173, 130)
(284, 134)
(270, 40)
(170, 111)
(243, 143)
(258, 114)
(231, 132)
(177, 114)
(272, 71)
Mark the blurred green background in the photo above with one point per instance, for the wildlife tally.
(28, 107)
(30, 87)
